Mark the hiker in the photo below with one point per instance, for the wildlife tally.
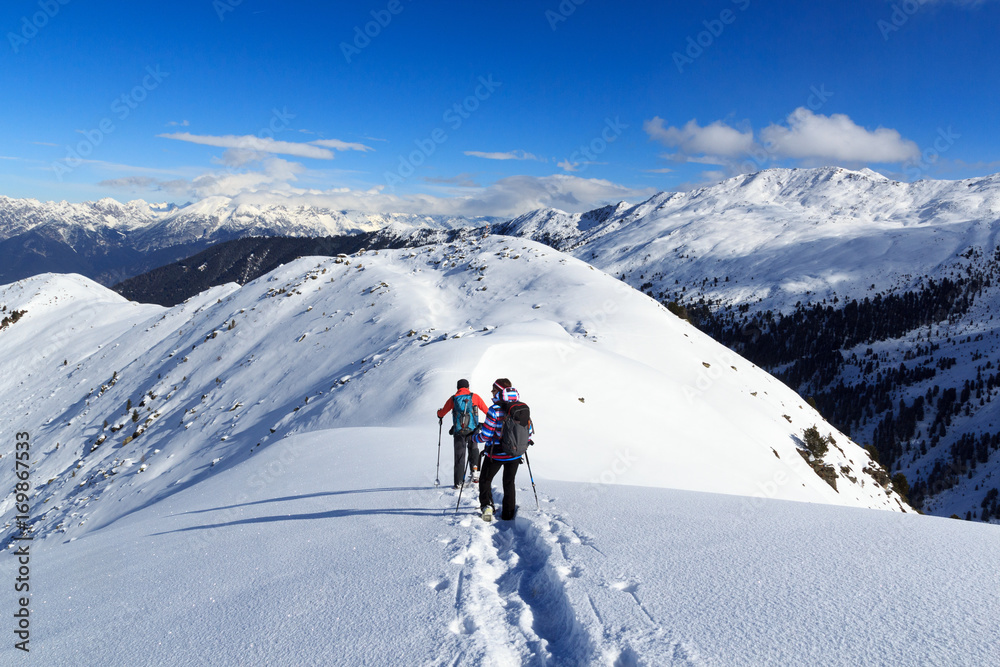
(465, 407)
(494, 457)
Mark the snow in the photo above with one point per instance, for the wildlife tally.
(335, 548)
(274, 503)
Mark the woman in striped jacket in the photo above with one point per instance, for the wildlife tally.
(495, 458)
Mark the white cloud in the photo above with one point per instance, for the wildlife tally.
(509, 155)
(692, 139)
(275, 174)
(697, 159)
(339, 145)
(836, 137)
(254, 144)
(174, 123)
(514, 195)
(276, 182)
(568, 166)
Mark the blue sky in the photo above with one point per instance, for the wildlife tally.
(485, 108)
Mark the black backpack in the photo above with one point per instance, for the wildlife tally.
(514, 436)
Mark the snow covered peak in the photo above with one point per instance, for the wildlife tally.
(377, 340)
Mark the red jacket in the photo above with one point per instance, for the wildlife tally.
(476, 401)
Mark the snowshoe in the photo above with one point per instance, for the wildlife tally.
(487, 514)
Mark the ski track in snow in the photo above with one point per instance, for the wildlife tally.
(516, 602)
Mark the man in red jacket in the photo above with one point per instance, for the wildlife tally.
(464, 406)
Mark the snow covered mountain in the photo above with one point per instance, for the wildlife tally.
(247, 478)
(374, 339)
(875, 297)
(783, 235)
(110, 241)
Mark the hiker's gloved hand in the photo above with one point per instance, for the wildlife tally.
(530, 443)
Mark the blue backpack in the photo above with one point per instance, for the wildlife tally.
(465, 415)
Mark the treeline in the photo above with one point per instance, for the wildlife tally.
(813, 335)
(807, 349)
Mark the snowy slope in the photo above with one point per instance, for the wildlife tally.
(334, 548)
(380, 339)
(278, 505)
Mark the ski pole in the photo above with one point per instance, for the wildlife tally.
(532, 477)
(437, 474)
(462, 487)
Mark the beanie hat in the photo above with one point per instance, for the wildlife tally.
(463, 384)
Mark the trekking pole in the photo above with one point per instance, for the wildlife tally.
(459, 501)
(462, 488)
(537, 506)
(437, 474)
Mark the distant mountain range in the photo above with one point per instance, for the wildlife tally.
(109, 241)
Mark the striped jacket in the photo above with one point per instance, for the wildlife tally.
(489, 433)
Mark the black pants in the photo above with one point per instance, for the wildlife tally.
(463, 444)
(486, 475)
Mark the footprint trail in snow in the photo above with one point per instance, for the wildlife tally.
(517, 601)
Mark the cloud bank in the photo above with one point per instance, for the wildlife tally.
(803, 136)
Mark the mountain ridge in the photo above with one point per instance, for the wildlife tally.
(111, 241)
(377, 339)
